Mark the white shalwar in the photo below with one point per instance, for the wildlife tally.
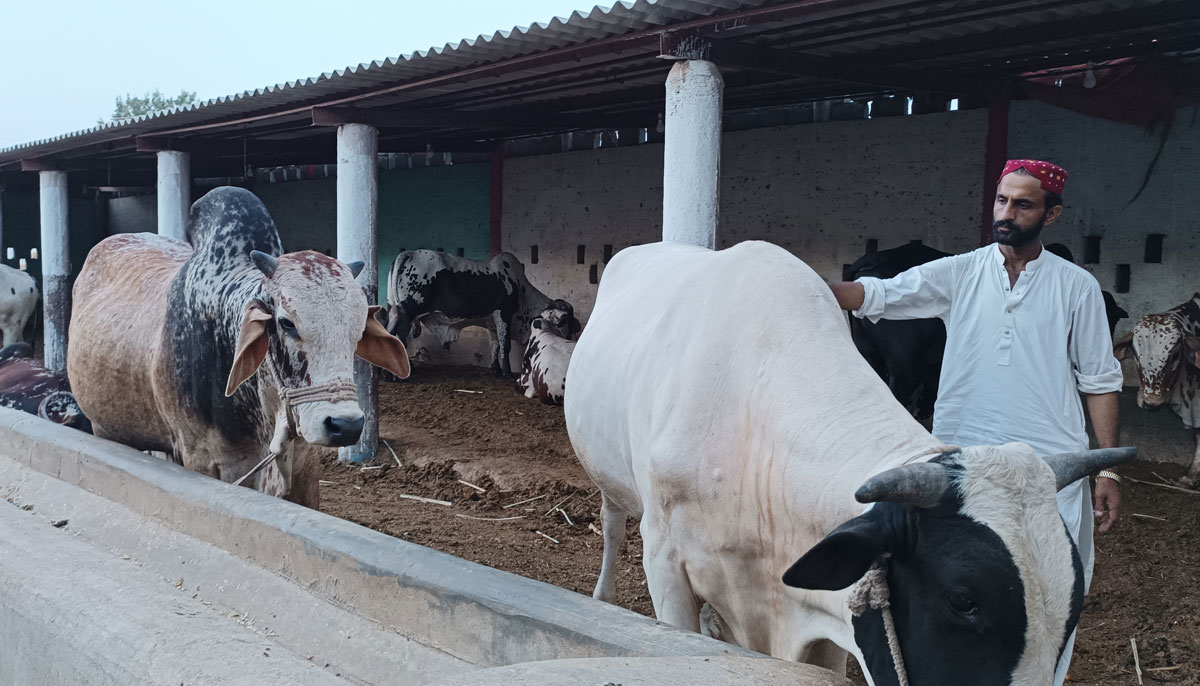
(1016, 360)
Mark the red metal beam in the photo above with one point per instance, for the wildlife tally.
(496, 191)
(995, 154)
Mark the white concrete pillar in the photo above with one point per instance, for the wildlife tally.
(692, 153)
(174, 193)
(357, 239)
(56, 296)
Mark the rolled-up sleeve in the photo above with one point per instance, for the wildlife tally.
(922, 292)
(1096, 369)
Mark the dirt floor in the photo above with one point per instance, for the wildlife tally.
(538, 514)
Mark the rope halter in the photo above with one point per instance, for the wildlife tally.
(872, 591)
(332, 392)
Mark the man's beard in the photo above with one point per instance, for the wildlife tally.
(1018, 237)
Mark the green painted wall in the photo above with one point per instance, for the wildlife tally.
(439, 208)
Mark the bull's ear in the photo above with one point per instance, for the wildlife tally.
(842, 557)
(1193, 344)
(251, 345)
(381, 348)
(1123, 347)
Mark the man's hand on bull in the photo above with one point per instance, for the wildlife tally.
(1107, 503)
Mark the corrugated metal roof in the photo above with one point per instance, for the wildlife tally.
(578, 27)
(603, 65)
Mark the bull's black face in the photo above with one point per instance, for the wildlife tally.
(957, 597)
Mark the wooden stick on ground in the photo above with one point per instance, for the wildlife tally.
(522, 502)
(490, 519)
(1137, 664)
(548, 538)
(1179, 489)
(432, 501)
(389, 447)
(1161, 519)
(555, 506)
(468, 483)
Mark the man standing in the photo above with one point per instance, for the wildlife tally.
(1026, 334)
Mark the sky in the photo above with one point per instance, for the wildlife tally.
(67, 61)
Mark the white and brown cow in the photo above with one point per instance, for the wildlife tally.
(18, 299)
(224, 351)
(1166, 347)
(447, 293)
(547, 355)
(744, 447)
(28, 386)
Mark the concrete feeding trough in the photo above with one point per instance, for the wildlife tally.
(163, 575)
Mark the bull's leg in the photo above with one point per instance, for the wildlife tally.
(612, 522)
(9, 334)
(1193, 473)
(503, 344)
(670, 590)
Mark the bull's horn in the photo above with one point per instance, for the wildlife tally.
(1071, 467)
(921, 485)
(265, 263)
(356, 267)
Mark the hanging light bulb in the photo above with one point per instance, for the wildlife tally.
(661, 126)
(1089, 78)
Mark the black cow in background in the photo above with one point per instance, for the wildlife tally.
(1111, 309)
(906, 354)
(443, 294)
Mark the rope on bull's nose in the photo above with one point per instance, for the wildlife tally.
(872, 591)
(335, 391)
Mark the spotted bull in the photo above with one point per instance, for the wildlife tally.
(547, 356)
(224, 351)
(1166, 348)
(748, 453)
(28, 386)
(446, 293)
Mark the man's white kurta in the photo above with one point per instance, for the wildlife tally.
(1016, 358)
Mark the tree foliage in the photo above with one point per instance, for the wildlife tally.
(132, 105)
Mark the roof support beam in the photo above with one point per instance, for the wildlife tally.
(39, 164)
(729, 53)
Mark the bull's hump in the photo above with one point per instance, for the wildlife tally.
(228, 222)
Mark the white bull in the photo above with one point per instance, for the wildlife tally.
(717, 397)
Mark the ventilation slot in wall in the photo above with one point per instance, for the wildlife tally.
(461, 252)
(1091, 250)
(607, 252)
(1154, 243)
(533, 254)
(580, 253)
(593, 274)
(872, 245)
(1122, 284)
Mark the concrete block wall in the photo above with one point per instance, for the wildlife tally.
(819, 190)
(1106, 163)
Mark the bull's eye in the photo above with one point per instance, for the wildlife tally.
(288, 327)
(962, 602)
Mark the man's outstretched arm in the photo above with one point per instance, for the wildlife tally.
(849, 294)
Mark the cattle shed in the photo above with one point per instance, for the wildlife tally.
(830, 127)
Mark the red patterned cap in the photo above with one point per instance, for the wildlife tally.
(1052, 176)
